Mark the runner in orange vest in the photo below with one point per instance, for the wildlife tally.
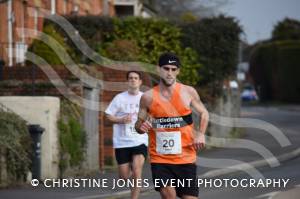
(166, 115)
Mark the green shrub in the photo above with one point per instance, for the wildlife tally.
(94, 30)
(121, 49)
(71, 137)
(154, 36)
(43, 49)
(15, 147)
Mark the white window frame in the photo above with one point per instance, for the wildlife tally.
(20, 52)
(76, 8)
(53, 7)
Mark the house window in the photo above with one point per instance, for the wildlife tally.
(20, 51)
(124, 10)
(76, 9)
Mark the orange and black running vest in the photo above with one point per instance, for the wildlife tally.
(171, 136)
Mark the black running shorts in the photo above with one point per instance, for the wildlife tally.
(124, 155)
(184, 176)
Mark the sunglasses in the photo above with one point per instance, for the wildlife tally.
(169, 69)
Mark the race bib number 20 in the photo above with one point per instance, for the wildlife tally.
(168, 142)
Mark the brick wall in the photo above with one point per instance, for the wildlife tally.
(26, 81)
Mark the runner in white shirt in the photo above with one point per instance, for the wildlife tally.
(130, 147)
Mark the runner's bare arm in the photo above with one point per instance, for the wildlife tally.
(119, 120)
(196, 103)
(142, 125)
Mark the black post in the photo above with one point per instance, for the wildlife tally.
(36, 132)
(33, 74)
(2, 63)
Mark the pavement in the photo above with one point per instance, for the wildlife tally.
(290, 194)
(256, 149)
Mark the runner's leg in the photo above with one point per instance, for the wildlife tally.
(124, 171)
(168, 192)
(137, 168)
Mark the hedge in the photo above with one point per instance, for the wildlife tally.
(208, 48)
(15, 148)
(275, 69)
(216, 40)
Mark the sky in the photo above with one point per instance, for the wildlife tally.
(258, 17)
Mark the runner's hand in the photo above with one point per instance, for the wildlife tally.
(146, 126)
(199, 142)
(126, 119)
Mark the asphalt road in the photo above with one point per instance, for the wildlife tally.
(288, 170)
(286, 118)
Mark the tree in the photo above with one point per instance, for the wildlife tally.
(288, 29)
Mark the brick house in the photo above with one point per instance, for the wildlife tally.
(15, 14)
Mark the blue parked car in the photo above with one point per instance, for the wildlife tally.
(249, 94)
